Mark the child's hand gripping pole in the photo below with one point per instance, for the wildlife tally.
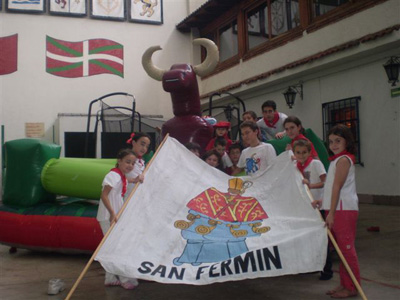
(338, 251)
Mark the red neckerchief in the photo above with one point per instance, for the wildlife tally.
(344, 152)
(314, 153)
(274, 121)
(123, 178)
(306, 164)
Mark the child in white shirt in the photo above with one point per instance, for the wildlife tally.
(112, 199)
(258, 156)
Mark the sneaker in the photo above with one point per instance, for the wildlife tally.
(55, 286)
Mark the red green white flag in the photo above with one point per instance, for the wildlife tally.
(84, 58)
(8, 57)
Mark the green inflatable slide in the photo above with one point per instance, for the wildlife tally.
(76, 177)
(25, 159)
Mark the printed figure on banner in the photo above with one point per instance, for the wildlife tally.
(219, 224)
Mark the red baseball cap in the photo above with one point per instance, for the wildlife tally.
(223, 124)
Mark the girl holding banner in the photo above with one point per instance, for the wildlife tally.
(112, 200)
(341, 203)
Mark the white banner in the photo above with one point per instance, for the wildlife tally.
(190, 223)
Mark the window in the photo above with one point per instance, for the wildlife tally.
(226, 37)
(257, 27)
(321, 7)
(271, 19)
(253, 23)
(343, 112)
(228, 41)
(243, 29)
(284, 15)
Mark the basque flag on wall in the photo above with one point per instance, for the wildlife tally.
(8, 57)
(84, 58)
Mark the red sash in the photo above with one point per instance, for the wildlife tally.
(344, 152)
(123, 178)
(274, 121)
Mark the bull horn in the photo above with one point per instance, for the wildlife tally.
(211, 60)
(148, 65)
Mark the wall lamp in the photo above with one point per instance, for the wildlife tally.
(392, 68)
(291, 92)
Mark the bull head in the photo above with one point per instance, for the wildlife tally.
(181, 79)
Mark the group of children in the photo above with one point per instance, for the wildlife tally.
(333, 193)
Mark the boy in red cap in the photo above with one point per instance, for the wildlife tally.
(221, 130)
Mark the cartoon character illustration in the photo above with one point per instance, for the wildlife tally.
(252, 164)
(219, 224)
(148, 7)
(62, 3)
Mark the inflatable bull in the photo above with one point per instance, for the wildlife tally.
(181, 82)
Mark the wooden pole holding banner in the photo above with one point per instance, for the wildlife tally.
(339, 252)
(112, 226)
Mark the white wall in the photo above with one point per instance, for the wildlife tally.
(195, 4)
(32, 95)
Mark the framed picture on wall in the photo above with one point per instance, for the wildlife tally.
(142, 11)
(108, 9)
(71, 8)
(26, 6)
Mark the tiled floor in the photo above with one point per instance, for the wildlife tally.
(25, 274)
